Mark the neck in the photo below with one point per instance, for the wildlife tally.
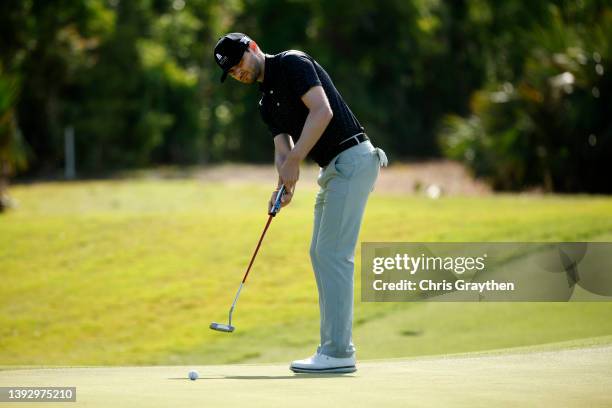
(262, 67)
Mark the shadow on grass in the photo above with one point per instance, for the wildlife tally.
(268, 377)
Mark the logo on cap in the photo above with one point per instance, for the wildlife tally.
(221, 58)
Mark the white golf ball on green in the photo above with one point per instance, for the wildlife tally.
(193, 375)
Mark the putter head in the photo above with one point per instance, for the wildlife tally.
(222, 327)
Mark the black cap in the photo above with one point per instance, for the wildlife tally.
(229, 50)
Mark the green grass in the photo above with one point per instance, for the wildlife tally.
(133, 271)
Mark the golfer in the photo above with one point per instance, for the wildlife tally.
(307, 117)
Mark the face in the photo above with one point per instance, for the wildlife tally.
(247, 71)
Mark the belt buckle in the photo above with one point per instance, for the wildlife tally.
(356, 137)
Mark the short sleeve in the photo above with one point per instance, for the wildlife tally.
(300, 72)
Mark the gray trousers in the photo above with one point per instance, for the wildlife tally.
(346, 183)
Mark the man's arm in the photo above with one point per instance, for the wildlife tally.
(283, 144)
(319, 116)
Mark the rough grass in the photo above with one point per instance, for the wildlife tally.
(133, 271)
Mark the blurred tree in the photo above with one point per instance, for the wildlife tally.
(13, 14)
(116, 104)
(52, 40)
(137, 81)
(12, 150)
(548, 124)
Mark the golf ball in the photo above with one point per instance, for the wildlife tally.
(193, 375)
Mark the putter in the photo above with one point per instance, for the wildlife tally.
(228, 328)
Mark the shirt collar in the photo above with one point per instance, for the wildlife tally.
(270, 72)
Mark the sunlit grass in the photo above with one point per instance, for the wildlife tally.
(133, 271)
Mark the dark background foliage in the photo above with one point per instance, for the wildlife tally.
(519, 90)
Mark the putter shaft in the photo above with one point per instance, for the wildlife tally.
(273, 211)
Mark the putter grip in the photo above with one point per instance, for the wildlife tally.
(277, 202)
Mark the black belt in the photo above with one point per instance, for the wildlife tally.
(346, 144)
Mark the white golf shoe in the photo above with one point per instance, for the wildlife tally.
(321, 363)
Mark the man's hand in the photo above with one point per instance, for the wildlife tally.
(289, 172)
(285, 199)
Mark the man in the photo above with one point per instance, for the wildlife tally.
(300, 103)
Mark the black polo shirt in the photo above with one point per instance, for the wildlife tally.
(287, 77)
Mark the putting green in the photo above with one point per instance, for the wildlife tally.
(574, 377)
